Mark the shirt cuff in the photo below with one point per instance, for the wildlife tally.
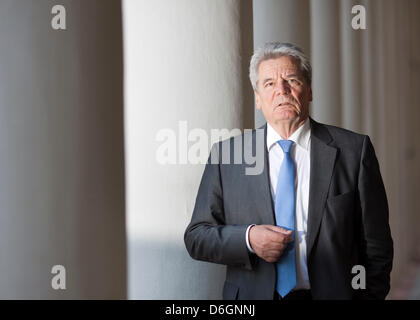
(247, 238)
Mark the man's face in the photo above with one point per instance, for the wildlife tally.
(283, 94)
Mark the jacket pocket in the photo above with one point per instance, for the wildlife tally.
(339, 221)
(343, 199)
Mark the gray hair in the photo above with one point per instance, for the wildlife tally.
(272, 50)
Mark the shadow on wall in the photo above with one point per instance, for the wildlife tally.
(168, 272)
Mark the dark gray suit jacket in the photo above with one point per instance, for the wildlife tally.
(347, 219)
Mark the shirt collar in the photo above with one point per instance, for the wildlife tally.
(300, 136)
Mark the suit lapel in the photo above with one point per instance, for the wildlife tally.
(322, 165)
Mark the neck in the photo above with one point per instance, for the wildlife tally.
(286, 128)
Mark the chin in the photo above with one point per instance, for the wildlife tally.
(286, 115)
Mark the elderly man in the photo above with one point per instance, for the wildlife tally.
(318, 209)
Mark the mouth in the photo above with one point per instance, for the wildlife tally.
(283, 104)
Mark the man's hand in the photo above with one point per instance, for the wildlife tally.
(268, 241)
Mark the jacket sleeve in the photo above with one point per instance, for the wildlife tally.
(377, 244)
(208, 237)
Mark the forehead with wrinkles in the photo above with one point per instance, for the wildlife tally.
(282, 65)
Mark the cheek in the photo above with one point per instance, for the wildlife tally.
(271, 96)
(301, 96)
(267, 98)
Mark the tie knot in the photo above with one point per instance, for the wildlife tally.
(286, 145)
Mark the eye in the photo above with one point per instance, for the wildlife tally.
(294, 82)
(269, 84)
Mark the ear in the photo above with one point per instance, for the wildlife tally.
(310, 93)
(257, 100)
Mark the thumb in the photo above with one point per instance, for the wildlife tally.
(275, 228)
(285, 231)
(280, 230)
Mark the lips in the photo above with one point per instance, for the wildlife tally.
(285, 104)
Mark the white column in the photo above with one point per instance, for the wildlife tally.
(350, 68)
(284, 21)
(325, 49)
(61, 151)
(182, 63)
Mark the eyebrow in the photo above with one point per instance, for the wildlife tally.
(266, 80)
(292, 75)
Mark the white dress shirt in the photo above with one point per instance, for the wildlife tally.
(300, 153)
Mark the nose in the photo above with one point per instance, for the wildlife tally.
(282, 87)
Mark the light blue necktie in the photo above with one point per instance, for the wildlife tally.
(285, 218)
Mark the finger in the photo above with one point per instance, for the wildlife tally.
(275, 228)
(288, 235)
(280, 237)
(280, 230)
(278, 240)
(274, 256)
(276, 250)
(286, 231)
(288, 239)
